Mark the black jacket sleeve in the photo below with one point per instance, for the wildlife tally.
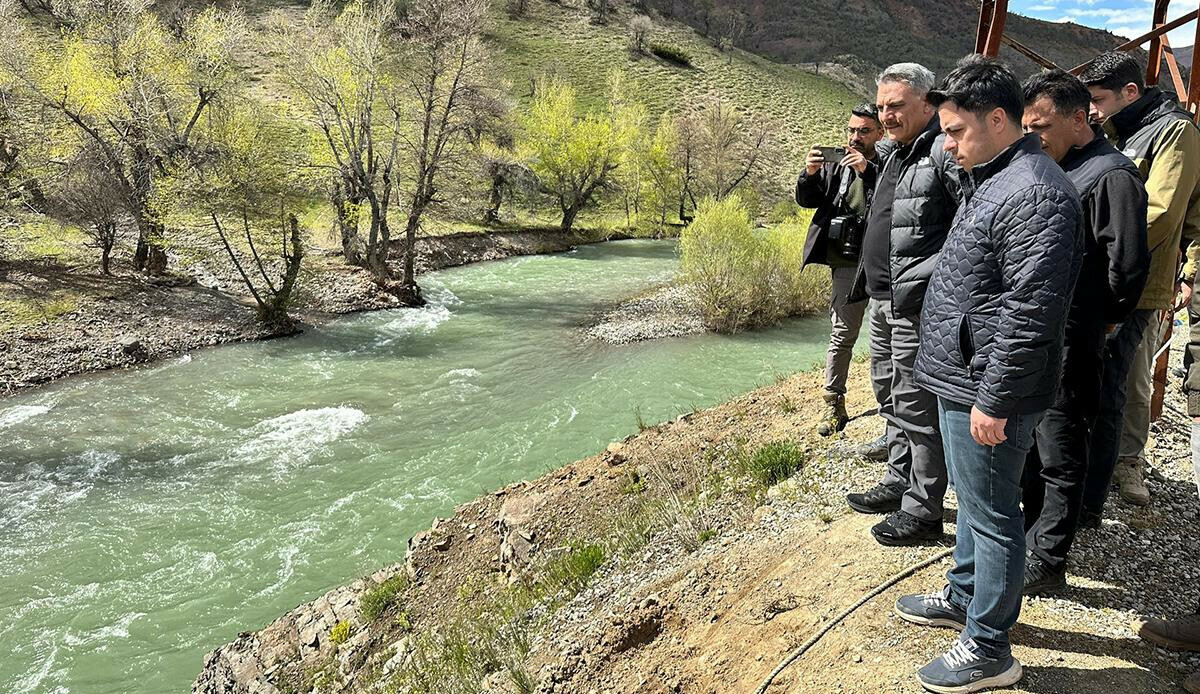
(1117, 207)
(820, 188)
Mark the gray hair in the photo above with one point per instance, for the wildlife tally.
(916, 76)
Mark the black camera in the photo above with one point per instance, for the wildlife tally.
(846, 235)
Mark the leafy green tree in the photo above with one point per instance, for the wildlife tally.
(119, 81)
(572, 154)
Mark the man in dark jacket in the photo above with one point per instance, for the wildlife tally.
(991, 350)
(1116, 262)
(914, 203)
(1183, 632)
(1150, 128)
(840, 192)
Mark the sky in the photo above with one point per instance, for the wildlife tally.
(1128, 18)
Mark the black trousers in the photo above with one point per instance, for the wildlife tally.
(1056, 467)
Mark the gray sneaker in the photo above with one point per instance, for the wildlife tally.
(932, 610)
(964, 669)
(874, 450)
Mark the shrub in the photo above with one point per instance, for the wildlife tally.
(775, 462)
(573, 570)
(639, 31)
(745, 279)
(381, 597)
(340, 633)
(784, 211)
(670, 53)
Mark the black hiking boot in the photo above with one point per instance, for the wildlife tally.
(1089, 519)
(1041, 578)
(904, 530)
(835, 417)
(878, 499)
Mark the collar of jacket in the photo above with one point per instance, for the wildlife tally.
(1154, 103)
(1028, 144)
(1085, 151)
(932, 129)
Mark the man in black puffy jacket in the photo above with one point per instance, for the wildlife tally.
(915, 199)
(1116, 263)
(991, 350)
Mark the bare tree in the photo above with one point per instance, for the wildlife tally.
(339, 65)
(272, 297)
(601, 9)
(448, 98)
(88, 195)
(718, 150)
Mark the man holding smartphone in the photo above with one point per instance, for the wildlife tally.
(840, 189)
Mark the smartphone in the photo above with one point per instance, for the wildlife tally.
(833, 154)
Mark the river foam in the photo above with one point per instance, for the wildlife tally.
(13, 416)
(297, 436)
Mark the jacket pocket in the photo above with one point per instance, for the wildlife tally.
(966, 343)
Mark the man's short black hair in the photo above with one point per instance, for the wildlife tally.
(1112, 71)
(979, 85)
(1064, 90)
(866, 110)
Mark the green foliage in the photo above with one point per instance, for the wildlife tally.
(382, 596)
(774, 462)
(743, 278)
(572, 570)
(340, 633)
(784, 211)
(573, 154)
(706, 535)
(671, 53)
(634, 484)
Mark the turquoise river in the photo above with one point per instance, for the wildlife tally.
(148, 516)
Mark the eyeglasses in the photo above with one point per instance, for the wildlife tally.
(859, 131)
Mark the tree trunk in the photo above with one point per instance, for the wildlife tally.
(496, 198)
(568, 219)
(105, 264)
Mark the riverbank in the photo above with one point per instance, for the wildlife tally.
(688, 574)
(64, 321)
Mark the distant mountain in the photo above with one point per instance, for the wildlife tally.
(876, 33)
(1183, 56)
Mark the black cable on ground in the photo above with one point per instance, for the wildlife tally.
(794, 655)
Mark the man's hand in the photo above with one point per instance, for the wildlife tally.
(986, 429)
(855, 160)
(812, 163)
(1183, 294)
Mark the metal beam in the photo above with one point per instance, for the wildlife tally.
(1134, 43)
(988, 35)
(1029, 53)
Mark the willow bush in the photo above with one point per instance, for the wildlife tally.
(744, 278)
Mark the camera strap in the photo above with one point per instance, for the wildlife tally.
(847, 178)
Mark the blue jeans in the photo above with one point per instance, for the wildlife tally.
(989, 551)
(1119, 350)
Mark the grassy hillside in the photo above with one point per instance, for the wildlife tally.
(559, 39)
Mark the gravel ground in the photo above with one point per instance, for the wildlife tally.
(667, 311)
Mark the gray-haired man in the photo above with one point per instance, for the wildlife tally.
(915, 200)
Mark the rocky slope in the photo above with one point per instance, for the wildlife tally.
(709, 581)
